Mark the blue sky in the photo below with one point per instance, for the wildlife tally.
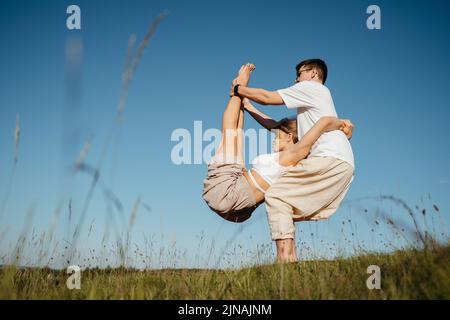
(392, 83)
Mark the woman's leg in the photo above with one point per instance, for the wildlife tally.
(240, 137)
(233, 121)
(230, 120)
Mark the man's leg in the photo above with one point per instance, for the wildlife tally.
(301, 192)
(286, 251)
(281, 225)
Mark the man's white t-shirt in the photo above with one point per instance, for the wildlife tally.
(313, 101)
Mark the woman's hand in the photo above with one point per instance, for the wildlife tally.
(347, 127)
(247, 105)
(330, 123)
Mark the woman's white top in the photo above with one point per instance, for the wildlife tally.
(268, 167)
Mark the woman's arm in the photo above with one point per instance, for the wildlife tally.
(262, 118)
(299, 151)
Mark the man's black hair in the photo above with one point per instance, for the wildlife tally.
(319, 64)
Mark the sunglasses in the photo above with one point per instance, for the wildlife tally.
(300, 72)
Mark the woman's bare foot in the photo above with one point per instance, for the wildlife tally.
(243, 77)
(244, 74)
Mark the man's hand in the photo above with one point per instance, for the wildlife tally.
(347, 127)
(233, 83)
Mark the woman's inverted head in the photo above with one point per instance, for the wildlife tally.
(285, 134)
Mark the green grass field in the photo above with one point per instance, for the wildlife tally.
(406, 274)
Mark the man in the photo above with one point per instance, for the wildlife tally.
(314, 188)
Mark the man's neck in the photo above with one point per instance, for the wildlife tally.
(316, 80)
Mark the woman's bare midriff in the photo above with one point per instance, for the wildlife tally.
(259, 196)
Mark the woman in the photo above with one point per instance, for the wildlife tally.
(232, 191)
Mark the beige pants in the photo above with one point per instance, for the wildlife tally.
(227, 192)
(312, 190)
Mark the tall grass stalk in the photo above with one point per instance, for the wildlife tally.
(129, 73)
(9, 186)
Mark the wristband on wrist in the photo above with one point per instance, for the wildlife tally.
(235, 90)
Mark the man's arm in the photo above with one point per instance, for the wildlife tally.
(262, 118)
(260, 96)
